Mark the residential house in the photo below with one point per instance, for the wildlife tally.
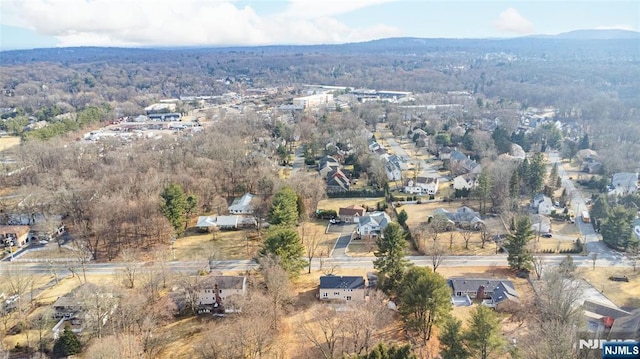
(72, 309)
(327, 161)
(393, 171)
(496, 293)
(420, 137)
(421, 185)
(216, 290)
(16, 236)
(636, 227)
(465, 182)
(624, 183)
(347, 288)
(370, 226)
(542, 204)
(463, 217)
(517, 151)
(460, 163)
(592, 167)
(337, 181)
(540, 223)
(242, 205)
(601, 316)
(226, 222)
(351, 214)
(627, 327)
(444, 153)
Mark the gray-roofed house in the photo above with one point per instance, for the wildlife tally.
(463, 217)
(496, 293)
(348, 288)
(542, 204)
(226, 222)
(627, 327)
(624, 183)
(216, 290)
(370, 226)
(540, 223)
(242, 205)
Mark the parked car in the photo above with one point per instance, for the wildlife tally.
(547, 235)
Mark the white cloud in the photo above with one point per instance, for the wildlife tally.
(187, 22)
(617, 27)
(511, 21)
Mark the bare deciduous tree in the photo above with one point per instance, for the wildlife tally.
(325, 330)
(538, 265)
(437, 255)
(466, 236)
(278, 286)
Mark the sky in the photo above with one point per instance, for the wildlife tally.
(28, 24)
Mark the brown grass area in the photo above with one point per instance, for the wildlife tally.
(314, 229)
(419, 214)
(51, 251)
(241, 244)
(8, 142)
(621, 293)
(337, 203)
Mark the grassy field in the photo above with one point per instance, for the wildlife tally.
(621, 293)
(337, 203)
(226, 245)
(8, 142)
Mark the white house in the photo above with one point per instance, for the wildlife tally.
(469, 182)
(624, 183)
(242, 205)
(393, 171)
(370, 226)
(542, 204)
(636, 227)
(422, 185)
(348, 288)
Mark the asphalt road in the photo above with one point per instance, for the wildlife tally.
(426, 169)
(578, 204)
(340, 262)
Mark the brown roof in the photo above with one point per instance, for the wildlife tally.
(18, 230)
(351, 211)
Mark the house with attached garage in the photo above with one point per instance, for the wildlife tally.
(342, 288)
(370, 226)
(421, 185)
(496, 293)
(465, 182)
(351, 214)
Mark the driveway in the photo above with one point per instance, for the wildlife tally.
(345, 230)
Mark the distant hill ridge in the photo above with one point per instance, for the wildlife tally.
(602, 34)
